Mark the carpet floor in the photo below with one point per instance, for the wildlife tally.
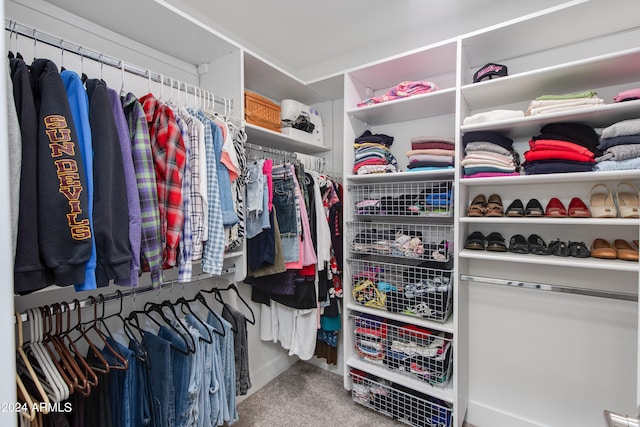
(305, 395)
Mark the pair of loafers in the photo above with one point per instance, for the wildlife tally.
(620, 249)
(516, 208)
(492, 242)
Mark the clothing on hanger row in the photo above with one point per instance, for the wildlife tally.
(292, 252)
(145, 374)
(164, 188)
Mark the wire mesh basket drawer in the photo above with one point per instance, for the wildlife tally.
(425, 242)
(424, 198)
(398, 288)
(398, 402)
(410, 350)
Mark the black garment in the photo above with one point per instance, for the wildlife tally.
(241, 348)
(29, 269)
(576, 133)
(63, 220)
(380, 138)
(110, 208)
(261, 249)
(487, 136)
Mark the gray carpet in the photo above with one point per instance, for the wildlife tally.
(305, 395)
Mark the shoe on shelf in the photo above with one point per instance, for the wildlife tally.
(534, 208)
(628, 200)
(579, 250)
(559, 248)
(537, 245)
(518, 244)
(601, 248)
(495, 242)
(601, 202)
(494, 206)
(476, 241)
(578, 209)
(625, 251)
(555, 208)
(515, 208)
(477, 206)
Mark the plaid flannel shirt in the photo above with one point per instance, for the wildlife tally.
(150, 251)
(169, 156)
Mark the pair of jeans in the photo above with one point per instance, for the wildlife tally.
(129, 386)
(227, 365)
(181, 372)
(161, 375)
(207, 398)
(140, 400)
(258, 217)
(284, 200)
(240, 348)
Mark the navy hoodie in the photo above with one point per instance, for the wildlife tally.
(110, 203)
(29, 270)
(64, 234)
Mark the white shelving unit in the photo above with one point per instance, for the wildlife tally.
(429, 114)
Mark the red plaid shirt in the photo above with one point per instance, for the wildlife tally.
(169, 154)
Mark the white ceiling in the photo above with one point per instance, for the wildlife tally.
(315, 39)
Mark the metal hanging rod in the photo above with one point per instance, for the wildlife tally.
(269, 150)
(553, 288)
(19, 29)
(138, 291)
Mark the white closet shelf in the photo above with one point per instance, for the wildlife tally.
(402, 176)
(594, 263)
(553, 221)
(445, 393)
(436, 103)
(425, 323)
(594, 73)
(572, 177)
(526, 127)
(261, 136)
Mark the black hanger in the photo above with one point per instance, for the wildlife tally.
(121, 361)
(125, 326)
(218, 297)
(201, 299)
(184, 303)
(235, 289)
(156, 308)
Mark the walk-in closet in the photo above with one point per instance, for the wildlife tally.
(212, 219)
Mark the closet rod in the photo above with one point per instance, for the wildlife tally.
(137, 291)
(270, 150)
(553, 288)
(34, 34)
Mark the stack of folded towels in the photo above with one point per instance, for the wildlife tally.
(560, 148)
(569, 101)
(372, 154)
(430, 153)
(488, 154)
(620, 144)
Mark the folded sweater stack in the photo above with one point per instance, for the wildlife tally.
(430, 153)
(372, 154)
(560, 148)
(488, 153)
(620, 144)
(570, 101)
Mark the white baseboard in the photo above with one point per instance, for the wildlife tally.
(481, 415)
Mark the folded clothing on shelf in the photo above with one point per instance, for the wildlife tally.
(564, 102)
(372, 155)
(401, 90)
(620, 143)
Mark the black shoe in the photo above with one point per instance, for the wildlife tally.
(534, 208)
(516, 208)
(518, 244)
(495, 243)
(476, 241)
(559, 248)
(579, 250)
(537, 245)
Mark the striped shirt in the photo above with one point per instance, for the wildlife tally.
(150, 250)
(169, 154)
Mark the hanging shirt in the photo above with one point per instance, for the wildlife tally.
(150, 249)
(111, 209)
(213, 255)
(169, 156)
(185, 267)
(133, 198)
(15, 161)
(79, 103)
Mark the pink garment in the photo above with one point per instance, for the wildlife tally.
(431, 151)
(402, 90)
(267, 169)
(491, 174)
(627, 95)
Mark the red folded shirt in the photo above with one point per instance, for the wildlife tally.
(556, 144)
(532, 156)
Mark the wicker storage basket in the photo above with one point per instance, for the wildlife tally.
(261, 111)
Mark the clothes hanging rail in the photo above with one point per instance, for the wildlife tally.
(269, 150)
(553, 288)
(138, 291)
(34, 34)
